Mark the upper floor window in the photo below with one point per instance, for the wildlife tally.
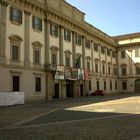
(103, 50)
(38, 84)
(77, 63)
(123, 70)
(109, 71)
(113, 54)
(36, 56)
(87, 44)
(54, 30)
(124, 85)
(95, 47)
(103, 68)
(96, 67)
(108, 52)
(78, 39)
(116, 85)
(137, 70)
(54, 58)
(67, 35)
(137, 52)
(15, 15)
(37, 23)
(15, 53)
(123, 54)
(88, 65)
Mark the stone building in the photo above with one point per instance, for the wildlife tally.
(48, 50)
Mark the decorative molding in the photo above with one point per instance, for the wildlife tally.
(37, 44)
(15, 38)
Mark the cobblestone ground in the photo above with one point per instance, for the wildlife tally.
(114, 117)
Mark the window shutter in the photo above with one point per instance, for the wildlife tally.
(11, 13)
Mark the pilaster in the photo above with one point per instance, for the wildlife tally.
(3, 14)
(27, 39)
(83, 51)
(73, 48)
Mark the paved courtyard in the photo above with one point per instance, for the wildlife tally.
(114, 117)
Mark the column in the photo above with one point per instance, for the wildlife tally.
(27, 39)
(3, 6)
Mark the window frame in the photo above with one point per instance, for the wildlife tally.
(37, 23)
(54, 30)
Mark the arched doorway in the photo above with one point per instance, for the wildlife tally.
(137, 85)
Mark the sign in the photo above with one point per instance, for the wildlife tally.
(59, 73)
(80, 74)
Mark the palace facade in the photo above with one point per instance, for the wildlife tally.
(48, 50)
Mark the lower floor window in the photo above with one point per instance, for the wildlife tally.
(38, 84)
(15, 83)
(124, 85)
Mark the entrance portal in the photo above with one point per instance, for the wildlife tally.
(69, 88)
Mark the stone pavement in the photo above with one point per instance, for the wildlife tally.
(114, 117)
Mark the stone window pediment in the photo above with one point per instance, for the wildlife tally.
(68, 52)
(16, 38)
(37, 44)
(54, 48)
(123, 65)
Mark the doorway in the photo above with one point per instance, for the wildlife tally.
(81, 90)
(15, 81)
(56, 96)
(69, 88)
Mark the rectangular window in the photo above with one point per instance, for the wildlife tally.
(38, 84)
(54, 59)
(96, 67)
(103, 68)
(108, 52)
(103, 50)
(116, 85)
(95, 47)
(15, 52)
(15, 83)
(87, 44)
(54, 30)
(110, 85)
(67, 61)
(37, 23)
(124, 85)
(137, 70)
(123, 71)
(89, 85)
(78, 39)
(109, 72)
(36, 56)
(113, 54)
(98, 84)
(123, 54)
(67, 35)
(88, 65)
(114, 71)
(104, 85)
(15, 15)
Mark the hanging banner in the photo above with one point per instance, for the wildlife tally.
(87, 74)
(59, 73)
(80, 74)
(67, 73)
(74, 74)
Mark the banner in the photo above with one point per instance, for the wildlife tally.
(67, 73)
(59, 73)
(87, 74)
(74, 74)
(80, 74)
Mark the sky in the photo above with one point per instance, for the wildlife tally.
(114, 17)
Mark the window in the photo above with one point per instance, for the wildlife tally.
(67, 61)
(87, 44)
(137, 70)
(103, 50)
(110, 85)
(96, 67)
(54, 58)
(108, 52)
(124, 85)
(36, 56)
(37, 23)
(103, 68)
(67, 35)
(116, 85)
(88, 65)
(38, 84)
(15, 83)
(123, 54)
(98, 84)
(113, 54)
(123, 71)
(95, 47)
(15, 53)
(54, 30)
(104, 85)
(114, 71)
(137, 52)
(15, 16)
(109, 72)
(78, 39)
(89, 84)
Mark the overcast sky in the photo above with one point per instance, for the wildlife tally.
(114, 17)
